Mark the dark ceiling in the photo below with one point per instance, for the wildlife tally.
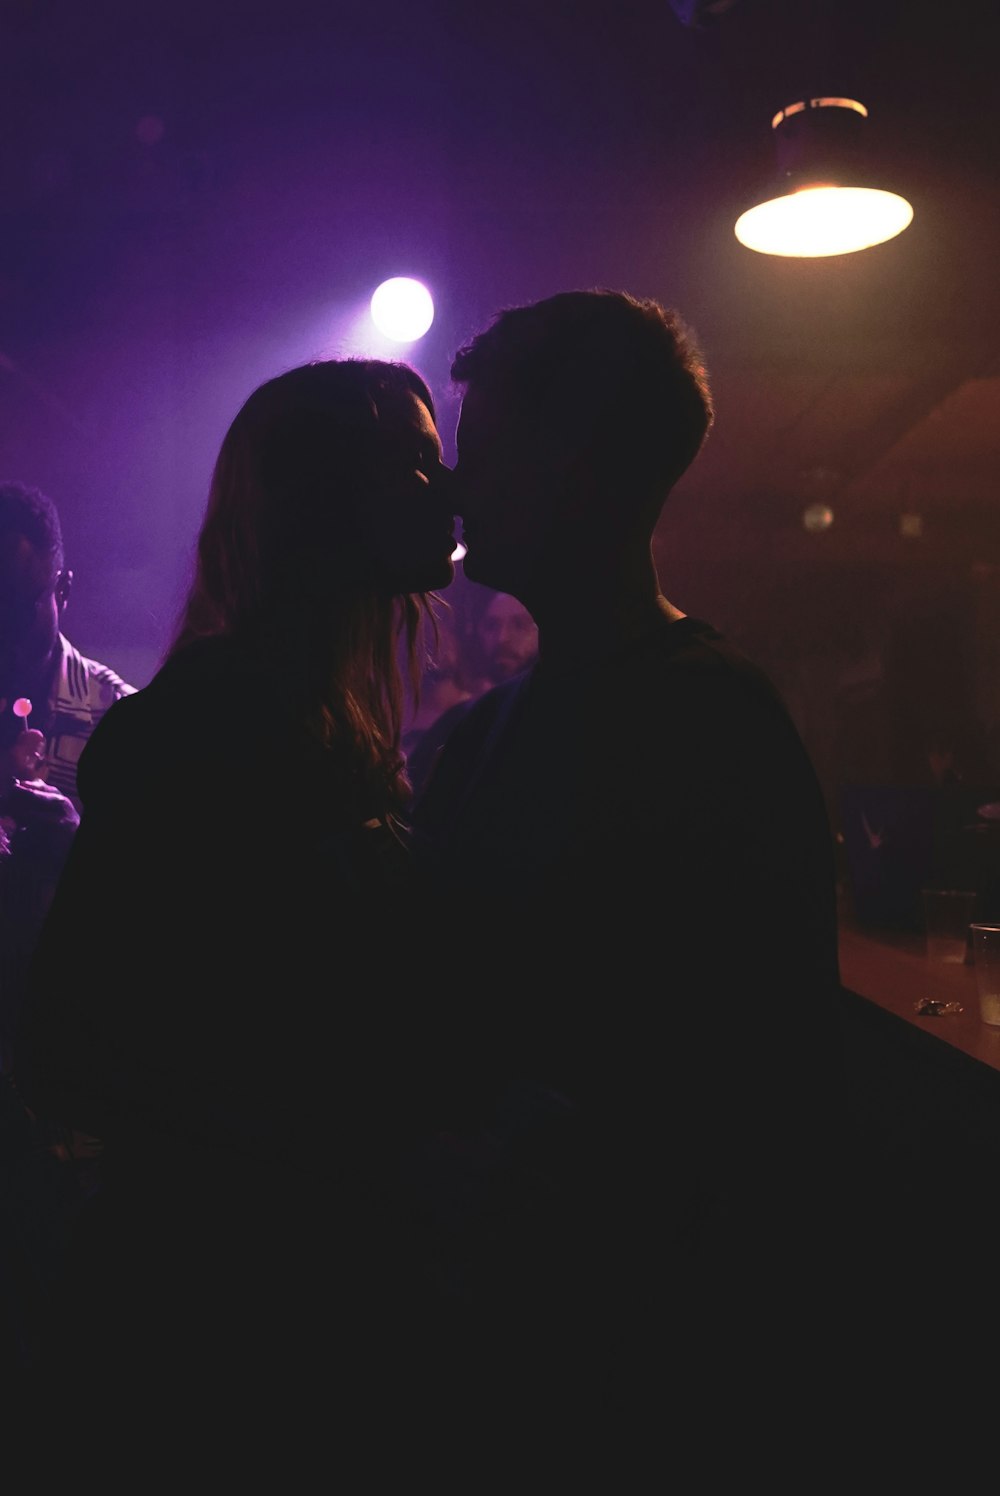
(197, 194)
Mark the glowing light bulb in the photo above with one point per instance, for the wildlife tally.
(402, 309)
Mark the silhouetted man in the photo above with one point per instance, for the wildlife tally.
(637, 847)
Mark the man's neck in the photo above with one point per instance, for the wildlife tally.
(610, 620)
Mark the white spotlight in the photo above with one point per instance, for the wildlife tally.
(402, 309)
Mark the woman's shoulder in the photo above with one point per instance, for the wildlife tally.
(200, 714)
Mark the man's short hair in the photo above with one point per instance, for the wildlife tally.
(29, 512)
(625, 376)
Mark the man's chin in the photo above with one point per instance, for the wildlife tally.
(478, 571)
(442, 577)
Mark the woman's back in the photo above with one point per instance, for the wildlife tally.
(249, 1058)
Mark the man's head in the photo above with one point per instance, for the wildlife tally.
(34, 586)
(580, 414)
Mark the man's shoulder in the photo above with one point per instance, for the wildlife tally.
(698, 649)
(89, 680)
(715, 710)
(698, 669)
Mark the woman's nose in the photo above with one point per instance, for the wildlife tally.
(446, 483)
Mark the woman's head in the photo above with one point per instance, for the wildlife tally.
(328, 524)
(328, 483)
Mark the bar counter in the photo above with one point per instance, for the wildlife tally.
(892, 972)
(925, 1106)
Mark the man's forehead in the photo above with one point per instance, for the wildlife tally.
(494, 415)
(485, 412)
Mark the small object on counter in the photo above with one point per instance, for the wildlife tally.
(933, 1007)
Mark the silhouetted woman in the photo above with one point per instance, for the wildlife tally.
(254, 1057)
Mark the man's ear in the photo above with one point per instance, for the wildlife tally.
(63, 588)
(584, 483)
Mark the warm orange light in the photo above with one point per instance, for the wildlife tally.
(823, 220)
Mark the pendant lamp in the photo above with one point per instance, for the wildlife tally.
(826, 198)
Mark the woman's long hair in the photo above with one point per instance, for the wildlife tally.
(281, 570)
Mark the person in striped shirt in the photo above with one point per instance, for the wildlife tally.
(51, 699)
(69, 693)
(64, 696)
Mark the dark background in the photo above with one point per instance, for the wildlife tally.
(197, 195)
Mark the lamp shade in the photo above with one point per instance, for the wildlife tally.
(825, 198)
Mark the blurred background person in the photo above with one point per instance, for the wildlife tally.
(47, 1168)
(69, 693)
(37, 826)
(507, 637)
(62, 695)
(443, 687)
(495, 638)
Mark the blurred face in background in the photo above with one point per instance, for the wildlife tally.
(509, 636)
(33, 594)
